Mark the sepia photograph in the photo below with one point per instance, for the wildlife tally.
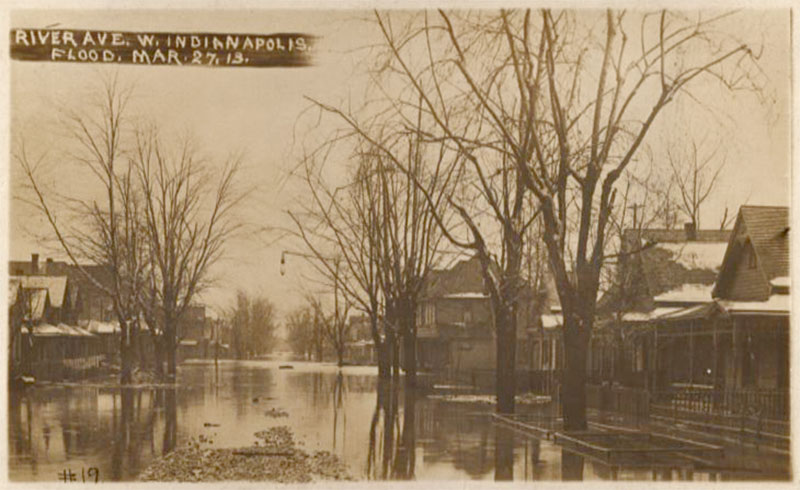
(475, 242)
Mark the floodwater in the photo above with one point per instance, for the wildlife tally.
(370, 426)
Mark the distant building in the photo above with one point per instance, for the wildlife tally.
(360, 347)
(455, 333)
(194, 333)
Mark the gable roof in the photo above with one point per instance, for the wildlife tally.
(768, 230)
(55, 285)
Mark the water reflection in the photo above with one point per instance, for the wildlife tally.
(381, 430)
(503, 454)
(571, 466)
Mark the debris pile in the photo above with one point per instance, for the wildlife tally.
(276, 412)
(274, 458)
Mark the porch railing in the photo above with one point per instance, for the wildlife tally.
(763, 404)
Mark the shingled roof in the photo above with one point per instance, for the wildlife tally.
(764, 231)
(768, 229)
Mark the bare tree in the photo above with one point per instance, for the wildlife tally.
(345, 222)
(106, 231)
(299, 331)
(336, 326)
(384, 234)
(185, 233)
(568, 110)
(695, 177)
(252, 321)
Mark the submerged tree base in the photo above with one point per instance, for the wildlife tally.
(276, 458)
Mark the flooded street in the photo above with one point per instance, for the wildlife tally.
(121, 432)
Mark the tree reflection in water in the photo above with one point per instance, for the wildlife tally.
(571, 466)
(393, 444)
(130, 433)
(503, 454)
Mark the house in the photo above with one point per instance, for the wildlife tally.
(360, 347)
(47, 298)
(45, 341)
(660, 272)
(726, 353)
(87, 300)
(455, 333)
(194, 334)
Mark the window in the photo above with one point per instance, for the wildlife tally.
(546, 354)
(751, 256)
(430, 314)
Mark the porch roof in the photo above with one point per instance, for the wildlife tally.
(550, 321)
(639, 316)
(777, 304)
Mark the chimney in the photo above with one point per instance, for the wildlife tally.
(34, 264)
(691, 232)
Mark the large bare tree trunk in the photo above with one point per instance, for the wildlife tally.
(573, 386)
(171, 347)
(506, 341)
(408, 328)
(158, 354)
(126, 354)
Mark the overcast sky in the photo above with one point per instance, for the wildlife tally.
(255, 111)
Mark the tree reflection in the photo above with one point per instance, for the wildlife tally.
(406, 447)
(121, 429)
(394, 446)
(571, 466)
(338, 408)
(503, 454)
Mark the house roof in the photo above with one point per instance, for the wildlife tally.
(778, 304)
(768, 229)
(99, 327)
(55, 285)
(666, 267)
(77, 278)
(60, 330)
(464, 277)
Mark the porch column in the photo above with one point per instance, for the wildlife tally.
(717, 369)
(691, 352)
(655, 360)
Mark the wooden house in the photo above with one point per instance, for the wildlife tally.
(455, 333)
(725, 351)
(660, 273)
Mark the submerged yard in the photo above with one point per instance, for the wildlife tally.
(253, 421)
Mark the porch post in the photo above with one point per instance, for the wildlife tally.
(717, 377)
(691, 352)
(655, 359)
